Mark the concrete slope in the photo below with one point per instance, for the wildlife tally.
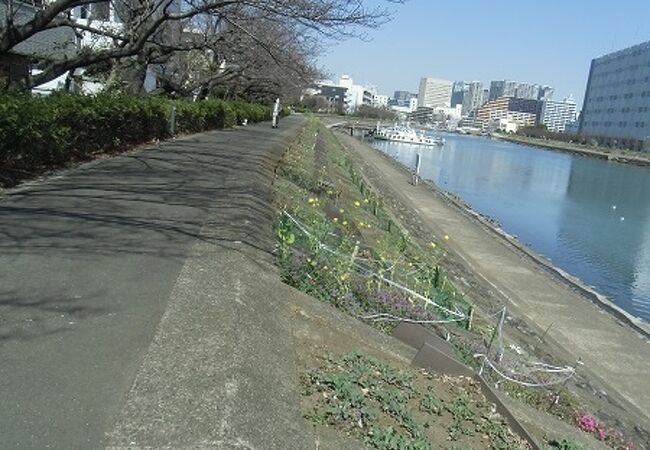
(220, 372)
(89, 260)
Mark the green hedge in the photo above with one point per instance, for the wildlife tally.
(38, 133)
(251, 112)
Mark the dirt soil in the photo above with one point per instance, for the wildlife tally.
(323, 334)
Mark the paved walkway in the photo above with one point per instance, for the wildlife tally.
(142, 267)
(610, 351)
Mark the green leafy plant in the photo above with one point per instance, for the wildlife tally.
(461, 409)
(431, 404)
(564, 444)
(389, 439)
(391, 408)
(285, 235)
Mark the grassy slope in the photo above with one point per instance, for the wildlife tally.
(322, 189)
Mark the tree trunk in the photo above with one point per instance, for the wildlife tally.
(135, 75)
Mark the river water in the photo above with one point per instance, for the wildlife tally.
(587, 216)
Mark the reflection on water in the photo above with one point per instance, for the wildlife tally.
(590, 217)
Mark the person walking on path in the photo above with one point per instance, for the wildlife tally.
(276, 112)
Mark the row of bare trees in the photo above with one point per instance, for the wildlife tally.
(250, 49)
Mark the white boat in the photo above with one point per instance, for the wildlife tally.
(407, 135)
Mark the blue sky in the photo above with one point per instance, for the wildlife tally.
(550, 42)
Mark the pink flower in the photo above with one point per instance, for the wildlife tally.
(588, 424)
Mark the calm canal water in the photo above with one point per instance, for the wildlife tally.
(589, 217)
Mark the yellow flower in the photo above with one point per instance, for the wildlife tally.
(345, 222)
(361, 224)
(367, 225)
(433, 245)
(341, 211)
(365, 200)
(357, 204)
(446, 237)
(336, 219)
(311, 200)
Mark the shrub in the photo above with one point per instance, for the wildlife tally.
(38, 133)
(250, 112)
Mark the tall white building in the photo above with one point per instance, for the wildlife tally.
(434, 93)
(556, 115)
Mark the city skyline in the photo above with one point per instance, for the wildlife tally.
(532, 45)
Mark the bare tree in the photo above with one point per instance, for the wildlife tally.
(280, 32)
(258, 60)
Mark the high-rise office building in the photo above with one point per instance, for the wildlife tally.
(527, 90)
(458, 91)
(434, 92)
(545, 93)
(485, 97)
(402, 98)
(473, 98)
(502, 88)
(555, 115)
(530, 91)
(468, 94)
(617, 97)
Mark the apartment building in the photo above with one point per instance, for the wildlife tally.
(556, 115)
(524, 112)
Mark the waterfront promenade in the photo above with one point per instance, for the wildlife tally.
(140, 307)
(613, 356)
